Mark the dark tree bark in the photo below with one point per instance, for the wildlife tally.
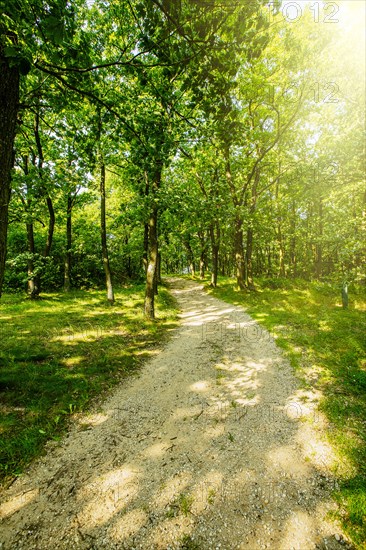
(68, 260)
(9, 101)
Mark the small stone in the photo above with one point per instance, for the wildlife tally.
(337, 537)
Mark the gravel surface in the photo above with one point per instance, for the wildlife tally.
(214, 445)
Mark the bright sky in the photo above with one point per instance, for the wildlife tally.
(352, 18)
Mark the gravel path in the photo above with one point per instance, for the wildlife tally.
(214, 446)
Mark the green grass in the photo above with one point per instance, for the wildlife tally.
(317, 335)
(58, 353)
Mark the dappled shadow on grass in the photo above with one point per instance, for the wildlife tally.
(327, 345)
(57, 354)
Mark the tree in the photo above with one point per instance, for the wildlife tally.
(9, 99)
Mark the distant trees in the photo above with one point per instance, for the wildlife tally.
(147, 134)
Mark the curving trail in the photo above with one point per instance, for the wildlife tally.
(214, 445)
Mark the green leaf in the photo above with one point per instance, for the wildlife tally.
(11, 51)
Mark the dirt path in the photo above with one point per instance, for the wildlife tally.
(213, 446)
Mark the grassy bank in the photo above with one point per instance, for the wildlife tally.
(58, 353)
(319, 336)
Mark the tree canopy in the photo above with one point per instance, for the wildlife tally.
(144, 135)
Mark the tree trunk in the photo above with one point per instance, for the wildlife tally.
(33, 280)
(238, 225)
(156, 282)
(269, 262)
(103, 229)
(51, 227)
(319, 245)
(203, 246)
(152, 267)
(51, 212)
(282, 271)
(152, 264)
(9, 101)
(145, 256)
(249, 259)
(239, 253)
(249, 244)
(293, 258)
(146, 247)
(215, 247)
(67, 274)
(158, 278)
(190, 255)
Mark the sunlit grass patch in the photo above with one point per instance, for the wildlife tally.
(57, 353)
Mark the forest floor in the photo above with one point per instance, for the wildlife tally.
(215, 445)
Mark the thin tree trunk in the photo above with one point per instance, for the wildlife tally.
(156, 292)
(319, 245)
(215, 247)
(190, 255)
(51, 212)
(146, 247)
(33, 280)
(203, 246)
(145, 256)
(269, 262)
(249, 244)
(238, 226)
(293, 258)
(103, 229)
(282, 271)
(153, 250)
(158, 278)
(32, 285)
(239, 253)
(67, 274)
(9, 101)
(249, 259)
(51, 227)
(152, 264)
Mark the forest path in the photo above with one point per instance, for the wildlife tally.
(214, 445)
